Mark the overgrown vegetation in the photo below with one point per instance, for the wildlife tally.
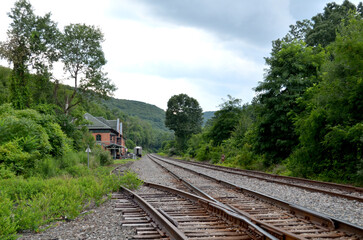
(306, 119)
(29, 204)
(44, 174)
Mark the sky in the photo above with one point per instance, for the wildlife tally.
(207, 49)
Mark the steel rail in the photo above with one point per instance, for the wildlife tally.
(248, 173)
(277, 232)
(158, 218)
(252, 229)
(313, 216)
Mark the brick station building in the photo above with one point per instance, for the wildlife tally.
(108, 134)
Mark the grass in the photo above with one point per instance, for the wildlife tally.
(123, 161)
(29, 204)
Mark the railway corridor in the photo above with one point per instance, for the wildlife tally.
(151, 172)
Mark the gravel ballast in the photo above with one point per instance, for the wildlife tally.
(101, 222)
(104, 222)
(340, 208)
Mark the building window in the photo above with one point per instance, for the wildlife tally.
(98, 137)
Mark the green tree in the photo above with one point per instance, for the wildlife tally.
(30, 44)
(330, 129)
(83, 58)
(4, 84)
(293, 67)
(325, 24)
(184, 116)
(225, 120)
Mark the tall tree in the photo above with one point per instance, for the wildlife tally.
(225, 120)
(30, 46)
(184, 116)
(83, 58)
(331, 127)
(322, 28)
(293, 67)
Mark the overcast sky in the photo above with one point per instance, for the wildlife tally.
(155, 49)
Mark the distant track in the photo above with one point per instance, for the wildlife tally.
(333, 189)
(282, 219)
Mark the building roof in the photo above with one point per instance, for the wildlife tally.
(101, 123)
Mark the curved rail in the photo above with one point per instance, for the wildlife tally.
(285, 180)
(157, 217)
(305, 213)
(269, 228)
(253, 230)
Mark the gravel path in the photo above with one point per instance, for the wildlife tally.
(98, 223)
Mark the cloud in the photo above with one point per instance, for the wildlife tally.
(158, 48)
(178, 54)
(253, 21)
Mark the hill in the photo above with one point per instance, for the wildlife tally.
(150, 113)
(206, 116)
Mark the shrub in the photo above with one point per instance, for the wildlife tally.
(33, 202)
(46, 168)
(105, 158)
(100, 156)
(8, 225)
(6, 173)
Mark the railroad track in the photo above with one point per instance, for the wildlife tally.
(333, 189)
(160, 212)
(134, 216)
(283, 220)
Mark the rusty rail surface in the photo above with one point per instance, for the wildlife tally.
(162, 222)
(237, 227)
(324, 225)
(182, 215)
(134, 216)
(346, 190)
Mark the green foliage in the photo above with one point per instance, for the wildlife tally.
(325, 24)
(83, 58)
(31, 42)
(103, 156)
(27, 204)
(330, 129)
(207, 116)
(8, 225)
(27, 137)
(225, 120)
(4, 84)
(130, 180)
(307, 117)
(130, 144)
(150, 113)
(293, 67)
(184, 116)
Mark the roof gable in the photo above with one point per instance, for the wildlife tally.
(101, 123)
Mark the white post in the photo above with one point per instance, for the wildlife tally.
(88, 150)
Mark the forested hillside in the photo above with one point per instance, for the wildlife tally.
(207, 115)
(154, 115)
(307, 117)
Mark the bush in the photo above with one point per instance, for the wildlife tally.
(30, 203)
(47, 168)
(29, 139)
(8, 225)
(5, 172)
(105, 158)
(101, 156)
